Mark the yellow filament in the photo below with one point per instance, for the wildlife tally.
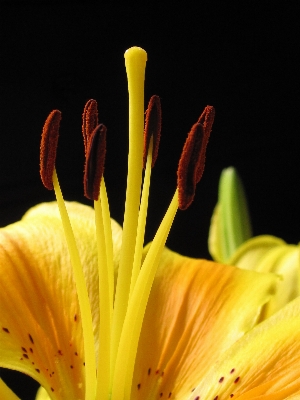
(105, 270)
(124, 367)
(108, 241)
(84, 304)
(135, 61)
(6, 393)
(142, 219)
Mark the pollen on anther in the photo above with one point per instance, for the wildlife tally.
(89, 121)
(192, 160)
(94, 166)
(152, 128)
(48, 148)
(207, 118)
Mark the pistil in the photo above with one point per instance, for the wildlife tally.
(135, 62)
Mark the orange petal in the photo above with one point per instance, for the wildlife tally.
(40, 328)
(197, 309)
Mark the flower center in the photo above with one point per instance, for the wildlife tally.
(122, 311)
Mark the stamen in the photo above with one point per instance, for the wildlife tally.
(94, 166)
(50, 180)
(192, 160)
(89, 121)
(152, 128)
(48, 148)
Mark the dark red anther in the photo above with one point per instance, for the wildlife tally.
(192, 160)
(48, 148)
(89, 121)
(152, 128)
(207, 120)
(94, 166)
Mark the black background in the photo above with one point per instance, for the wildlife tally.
(242, 58)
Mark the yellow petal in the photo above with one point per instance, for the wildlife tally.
(249, 254)
(264, 364)
(284, 261)
(42, 394)
(270, 254)
(40, 329)
(6, 393)
(196, 310)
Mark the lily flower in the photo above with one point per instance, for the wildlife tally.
(231, 242)
(92, 315)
